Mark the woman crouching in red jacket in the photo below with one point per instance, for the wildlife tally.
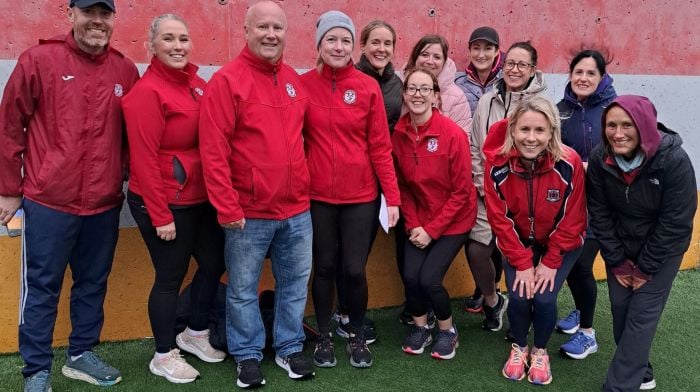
(536, 205)
(438, 201)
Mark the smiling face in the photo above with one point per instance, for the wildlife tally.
(379, 48)
(482, 54)
(517, 69)
(335, 48)
(621, 132)
(585, 78)
(531, 134)
(92, 27)
(420, 103)
(431, 58)
(171, 44)
(265, 31)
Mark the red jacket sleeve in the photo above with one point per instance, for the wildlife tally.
(462, 186)
(379, 143)
(217, 122)
(145, 124)
(17, 107)
(568, 232)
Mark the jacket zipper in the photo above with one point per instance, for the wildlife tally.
(531, 203)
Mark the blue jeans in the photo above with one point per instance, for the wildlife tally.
(540, 311)
(289, 242)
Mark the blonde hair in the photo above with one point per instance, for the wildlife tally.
(544, 106)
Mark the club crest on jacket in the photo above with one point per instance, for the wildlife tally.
(349, 96)
(553, 195)
(118, 90)
(432, 144)
(290, 90)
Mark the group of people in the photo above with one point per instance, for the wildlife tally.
(261, 162)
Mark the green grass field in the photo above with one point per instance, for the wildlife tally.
(475, 368)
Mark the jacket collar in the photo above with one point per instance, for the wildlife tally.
(70, 42)
(473, 74)
(432, 127)
(364, 66)
(337, 73)
(256, 62)
(604, 92)
(181, 76)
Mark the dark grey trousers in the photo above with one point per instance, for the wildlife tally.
(635, 317)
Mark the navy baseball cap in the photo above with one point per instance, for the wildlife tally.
(87, 3)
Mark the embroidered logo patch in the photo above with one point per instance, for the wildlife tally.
(67, 77)
(654, 181)
(432, 144)
(553, 195)
(349, 96)
(118, 90)
(199, 91)
(290, 90)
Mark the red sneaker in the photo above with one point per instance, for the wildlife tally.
(540, 373)
(514, 369)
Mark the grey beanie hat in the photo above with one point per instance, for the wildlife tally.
(330, 20)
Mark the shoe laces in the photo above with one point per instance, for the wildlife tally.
(538, 359)
(517, 355)
(94, 360)
(579, 338)
(572, 317)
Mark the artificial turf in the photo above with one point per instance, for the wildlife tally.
(476, 367)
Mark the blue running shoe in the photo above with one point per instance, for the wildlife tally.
(38, 382)
(580, 345)
(90, 368)
(569, 324)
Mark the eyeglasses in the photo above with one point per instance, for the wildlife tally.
(423, 90)
(522, 66)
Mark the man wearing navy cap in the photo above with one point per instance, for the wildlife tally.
(61, 121)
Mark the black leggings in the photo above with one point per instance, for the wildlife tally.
(342, 237)
(582, 283)
(197, 234)
(424, 271)
(481, 264)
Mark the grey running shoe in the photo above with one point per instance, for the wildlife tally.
(90, 368)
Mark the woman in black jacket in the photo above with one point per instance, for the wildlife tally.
(642, 198)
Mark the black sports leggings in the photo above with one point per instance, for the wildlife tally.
(582, 282)
(424, 271)
(198, 234)
(342, 236)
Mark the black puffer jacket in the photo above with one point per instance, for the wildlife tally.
(651, 219)
(392, 89)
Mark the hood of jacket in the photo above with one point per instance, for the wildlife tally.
(604, 92)
(496, 70)
(643, 114)
(446, 77)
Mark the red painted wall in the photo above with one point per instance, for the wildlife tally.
(646, 37)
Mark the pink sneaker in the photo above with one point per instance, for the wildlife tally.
(514, 369)
(540, 373)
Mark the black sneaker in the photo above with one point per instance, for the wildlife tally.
(445, 345)
(474, 304)
(324, 354)
(405, 317)
(494, 315)
(360, 356)
(370, 334)
(417, 340)
(249, 374)
(297, 365)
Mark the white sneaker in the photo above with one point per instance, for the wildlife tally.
(174, 368)
(648, 385)
(199, 346)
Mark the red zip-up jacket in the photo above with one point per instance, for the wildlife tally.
(162, 119)
(250, 140)
(547, 208)
(435, 176)
(347, 138)
(62, 128)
